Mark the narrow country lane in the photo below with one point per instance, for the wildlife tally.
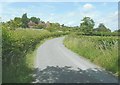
(55, 63)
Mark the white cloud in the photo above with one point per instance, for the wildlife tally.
(88, 6)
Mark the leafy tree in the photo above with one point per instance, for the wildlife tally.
(53, 27)
(25, 20)
(10, 25)
(17, 22)
(102, 28)
(62, 25)
(13, 24)
(87, 25)
(35, 20)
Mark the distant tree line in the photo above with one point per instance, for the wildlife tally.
(33, 22)
(87, 25)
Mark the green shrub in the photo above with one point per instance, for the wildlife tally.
(16, 44)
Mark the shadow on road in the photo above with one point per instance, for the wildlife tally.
(68, 75)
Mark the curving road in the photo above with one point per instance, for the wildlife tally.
(55, 63)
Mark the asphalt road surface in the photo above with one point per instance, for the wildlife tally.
(55, 63)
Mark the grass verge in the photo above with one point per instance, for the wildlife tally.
(101, 50)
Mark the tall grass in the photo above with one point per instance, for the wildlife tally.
(99, 49)
(16, 45)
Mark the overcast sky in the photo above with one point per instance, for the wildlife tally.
(68, 13)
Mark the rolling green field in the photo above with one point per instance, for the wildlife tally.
(16, 45)
(102, 50)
